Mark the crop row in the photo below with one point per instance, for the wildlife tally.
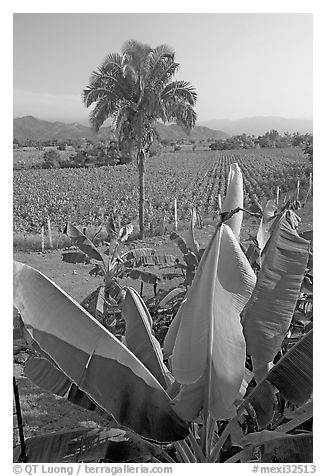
(85, 196)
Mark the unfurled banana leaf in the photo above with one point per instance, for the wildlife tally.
(209, 351)
(140, 339)
(83, 243)
(93, 359)
(234, 199)
(114, 445)
(268, 314)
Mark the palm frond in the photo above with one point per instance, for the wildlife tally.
(180, 91)
(184, 115)
(164, 72)
(91, 95)
(112, 61)
(135, 53)
(157, 60)
(103, 109)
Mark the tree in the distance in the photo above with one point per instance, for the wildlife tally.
(135, 88)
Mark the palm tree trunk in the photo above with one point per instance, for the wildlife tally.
(141, 170)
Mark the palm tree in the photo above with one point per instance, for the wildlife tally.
(135, 88)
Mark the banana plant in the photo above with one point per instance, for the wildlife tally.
(182, 396)
(113, 265)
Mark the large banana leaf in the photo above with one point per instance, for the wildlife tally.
(209, 351)
(268, 314)
(139, 337)
(171, 335)
(49, 377)
(114, 445)
(292, 376)
(46, 375)
(98, 363)
(234, 199)
(84, 244)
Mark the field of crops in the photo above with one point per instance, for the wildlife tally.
(85, 196)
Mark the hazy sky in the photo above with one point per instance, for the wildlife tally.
(241, 65)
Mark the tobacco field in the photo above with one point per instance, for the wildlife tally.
(87, 196)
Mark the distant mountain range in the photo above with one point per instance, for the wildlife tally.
(29, 127)
(259, 125)
(172, 132)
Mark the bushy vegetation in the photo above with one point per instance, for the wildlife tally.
(269, 139)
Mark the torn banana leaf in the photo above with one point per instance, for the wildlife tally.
(268, 314)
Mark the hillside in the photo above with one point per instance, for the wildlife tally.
(173, 132)
(29, 127)
(259, 125)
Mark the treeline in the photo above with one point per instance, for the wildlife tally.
(269, 139)
(87, 153)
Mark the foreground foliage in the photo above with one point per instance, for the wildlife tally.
(231, 383)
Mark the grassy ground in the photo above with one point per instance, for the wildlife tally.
(42, 412)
